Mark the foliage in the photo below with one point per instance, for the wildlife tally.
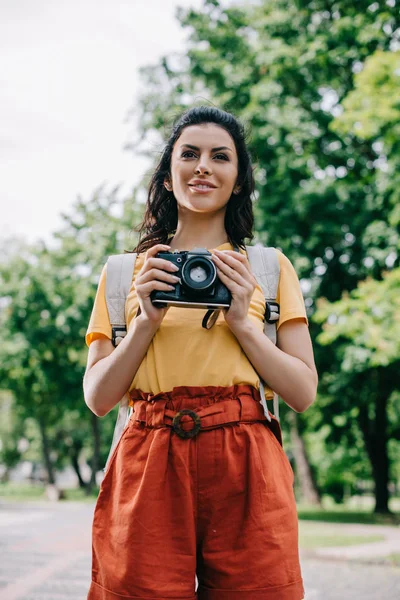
(316, 84)
(367, 323)
(327, 188)
(47, 297)
(372, 108)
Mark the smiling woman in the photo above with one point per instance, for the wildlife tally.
(203, 177)
(203, 149)
(199, 466)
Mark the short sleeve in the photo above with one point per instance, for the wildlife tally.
(289, 295)
(99, 324)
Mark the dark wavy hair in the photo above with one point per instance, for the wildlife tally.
(161, 216)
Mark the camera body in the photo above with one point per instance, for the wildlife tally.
(199, 285)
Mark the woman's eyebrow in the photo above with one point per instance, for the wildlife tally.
(212, 149)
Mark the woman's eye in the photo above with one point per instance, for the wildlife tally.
(218, 156)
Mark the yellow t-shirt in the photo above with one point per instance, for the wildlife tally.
(182, 352)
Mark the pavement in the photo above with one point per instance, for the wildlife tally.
(45, 550)
(45, 554)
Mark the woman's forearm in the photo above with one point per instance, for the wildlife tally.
(287, 375)
(109, 379)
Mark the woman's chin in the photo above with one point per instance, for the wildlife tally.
(201, 205)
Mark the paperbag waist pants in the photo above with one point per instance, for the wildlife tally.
(199, 484)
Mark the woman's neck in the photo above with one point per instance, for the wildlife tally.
(199, 230)
(181, 244)
(188, 238)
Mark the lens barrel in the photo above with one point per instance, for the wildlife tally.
(198, 274)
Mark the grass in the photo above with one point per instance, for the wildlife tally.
(79, 495)
(20, 492)
(324, 535)
(26, 492)
(341, 514)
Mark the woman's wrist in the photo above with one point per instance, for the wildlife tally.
(146, 325)
(241, 327)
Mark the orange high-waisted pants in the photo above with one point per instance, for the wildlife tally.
(206, 494)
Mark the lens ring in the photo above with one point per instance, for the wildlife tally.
(198, 261)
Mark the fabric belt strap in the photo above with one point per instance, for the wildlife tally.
(239, 408)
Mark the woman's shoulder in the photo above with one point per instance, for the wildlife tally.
(285, 263)
(139, 262)
(284, 260)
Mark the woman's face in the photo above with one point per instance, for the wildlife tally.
(204, 168)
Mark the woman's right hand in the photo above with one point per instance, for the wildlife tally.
(156, 274)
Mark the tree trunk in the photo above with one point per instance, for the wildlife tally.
(46, 451)
(308, 488)
(375, 439)
(75, 451)
(96, 452)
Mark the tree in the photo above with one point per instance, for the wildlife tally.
(364, 329)
(288, 69)
(380, 239)
(47, 296)
(10, 435)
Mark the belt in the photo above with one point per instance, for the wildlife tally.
(187, 423)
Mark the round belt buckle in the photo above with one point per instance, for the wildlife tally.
(176, 423)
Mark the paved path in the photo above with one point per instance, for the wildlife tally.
(45, 551)
(45, 554)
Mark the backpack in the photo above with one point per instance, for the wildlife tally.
(264, 264)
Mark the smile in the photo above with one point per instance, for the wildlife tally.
(201, 188)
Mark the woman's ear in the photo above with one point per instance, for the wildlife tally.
(167, 185)
(236, 189)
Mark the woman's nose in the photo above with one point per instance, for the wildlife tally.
(203, 167)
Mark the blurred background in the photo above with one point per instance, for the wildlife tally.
(89, 92)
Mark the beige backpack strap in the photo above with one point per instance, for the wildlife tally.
(119, 275)
(120, 268)
(265, 266)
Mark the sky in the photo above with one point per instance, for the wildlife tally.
(68, 78)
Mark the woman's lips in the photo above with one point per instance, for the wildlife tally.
(201, 189)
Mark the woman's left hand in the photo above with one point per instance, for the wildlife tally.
(234, 271)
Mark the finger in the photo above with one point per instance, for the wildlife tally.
(237, 255)
(158, 274)
(247, 283)
(160, 263)
(234, 287)
(155, 249)
(147, 288)
(233, 258)
(228, 270)
(240, 263)
(237, 272)
(237, 284)
(230, 256)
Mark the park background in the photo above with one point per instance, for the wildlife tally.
(317, 86)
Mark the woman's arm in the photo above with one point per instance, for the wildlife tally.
(288, 368)
(110, 370)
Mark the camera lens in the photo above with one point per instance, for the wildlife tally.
(198, 274)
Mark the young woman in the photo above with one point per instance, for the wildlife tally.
(219, 504)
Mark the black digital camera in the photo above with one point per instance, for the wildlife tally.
(199, 285)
